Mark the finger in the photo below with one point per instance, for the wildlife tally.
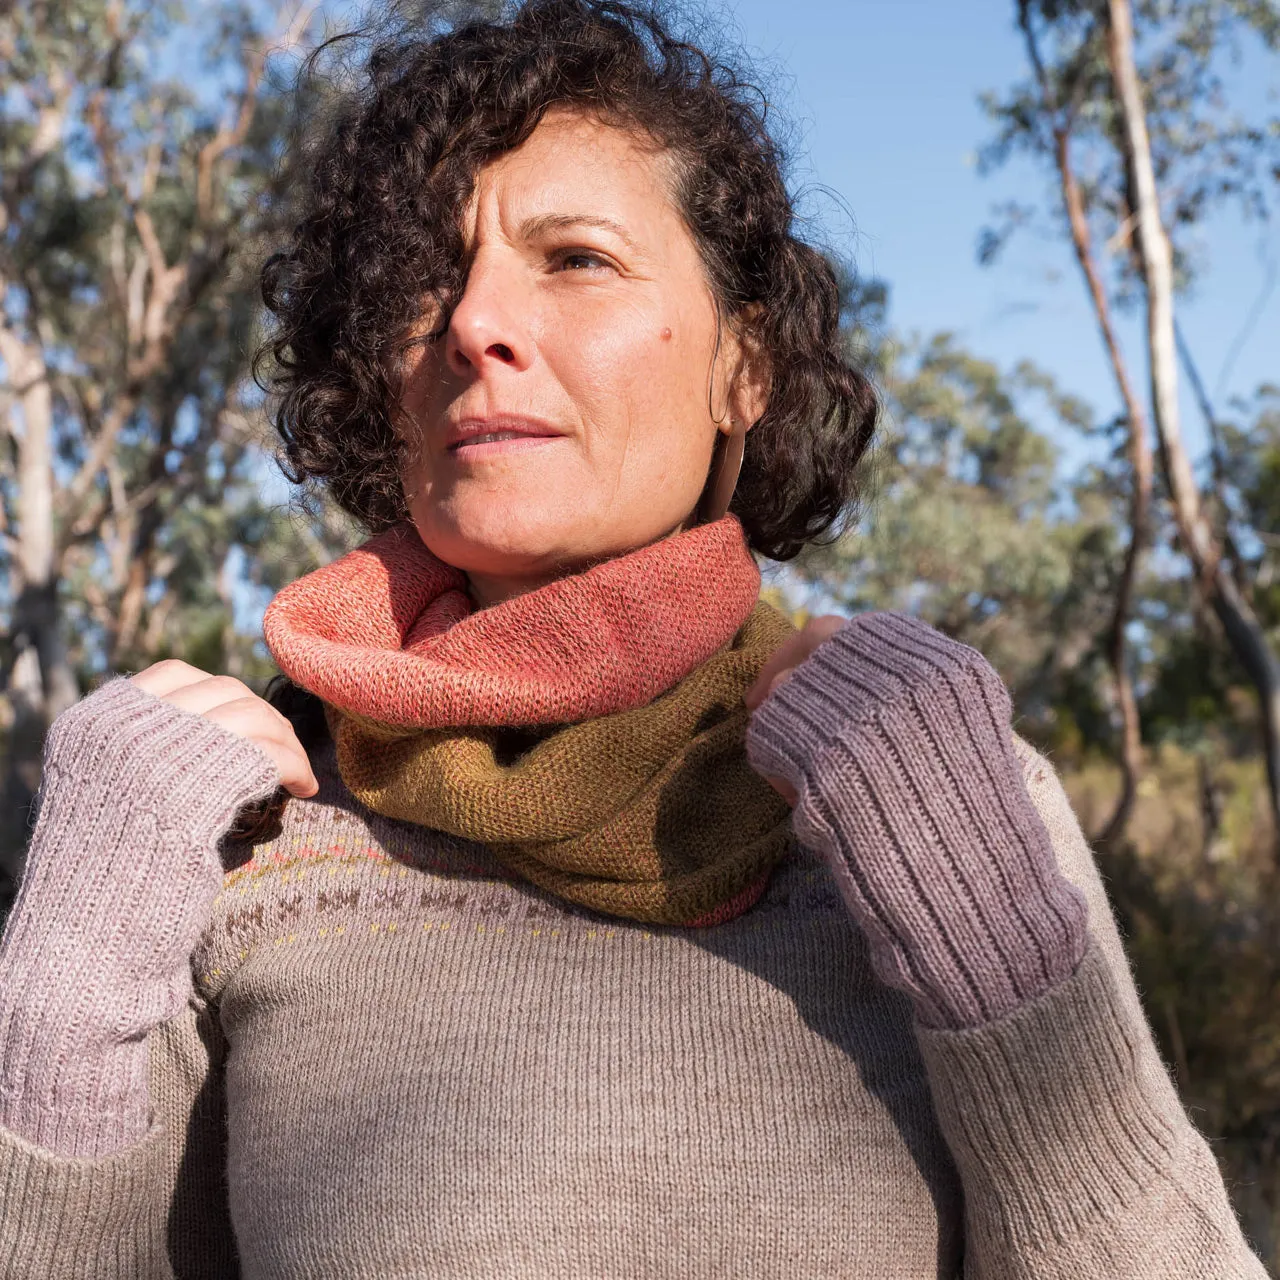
(162, 678)
(821, 629)
(278, 740)
(791, 653)
(296, 775)
(777, 682)
(294, 768)
(213, 691)
(784, 789)
(290, 759)
(782, 659)
(247, 714)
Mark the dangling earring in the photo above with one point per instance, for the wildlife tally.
(726, 466)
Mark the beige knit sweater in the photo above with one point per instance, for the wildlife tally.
(398, 1062)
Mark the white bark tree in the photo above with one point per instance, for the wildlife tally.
(129, 213)
(1199, 539)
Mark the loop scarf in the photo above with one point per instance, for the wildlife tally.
(590, 731)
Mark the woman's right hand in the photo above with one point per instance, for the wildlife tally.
(122, 872)
(233, 705)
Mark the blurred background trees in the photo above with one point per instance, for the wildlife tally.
(133, 210)
(1130, 600)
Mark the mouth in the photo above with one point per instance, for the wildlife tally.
(475, 438)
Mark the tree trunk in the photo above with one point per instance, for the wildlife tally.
(41, 683)
(1131, 757)
(1132, 762)
(122, 643)
(1244, 632)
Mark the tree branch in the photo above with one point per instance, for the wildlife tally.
(233, 134)
(1244, 630)
(158, 320)
(1137, 444)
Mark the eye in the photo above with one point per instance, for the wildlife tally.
(582, 260)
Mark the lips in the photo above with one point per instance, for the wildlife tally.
(493, 437)
(498, 429)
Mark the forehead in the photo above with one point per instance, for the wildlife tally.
(575, 163)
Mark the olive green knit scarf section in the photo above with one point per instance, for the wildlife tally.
(651, 814)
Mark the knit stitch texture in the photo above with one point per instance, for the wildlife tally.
(644, 805)
(397, 1060)
(652, 814)
(120, 881)
(387, 632)
(898, 742)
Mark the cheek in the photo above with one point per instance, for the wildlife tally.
(421, 385)
(669, 430)
(634, 375)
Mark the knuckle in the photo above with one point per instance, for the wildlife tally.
(176, 666)
(232, 687)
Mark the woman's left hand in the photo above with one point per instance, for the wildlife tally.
(892, 742)
(788, 656)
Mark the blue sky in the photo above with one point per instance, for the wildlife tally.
(884, 94)
(883, 99)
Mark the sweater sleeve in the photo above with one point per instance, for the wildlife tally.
(1077, 1157)
(156, 1210)
(120, 880)
(110, 1111)
(959, 856)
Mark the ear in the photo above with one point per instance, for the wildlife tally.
(752, 376)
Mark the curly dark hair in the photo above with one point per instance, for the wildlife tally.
(396, 166)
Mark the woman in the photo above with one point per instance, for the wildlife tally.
(532, 979)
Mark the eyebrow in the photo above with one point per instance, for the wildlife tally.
(532, 228)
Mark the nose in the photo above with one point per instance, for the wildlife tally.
(489, 326)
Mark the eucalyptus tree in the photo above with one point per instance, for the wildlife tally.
(965, 521)
(139, 170)
(1128, 107)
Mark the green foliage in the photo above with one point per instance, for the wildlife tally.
(969, 524)
(132, 237)
(1251, 485)
(1206, 152)
(1198, 896)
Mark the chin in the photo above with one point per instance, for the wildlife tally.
(496, 540)
(530, 534)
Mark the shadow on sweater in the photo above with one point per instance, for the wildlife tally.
(800, 940)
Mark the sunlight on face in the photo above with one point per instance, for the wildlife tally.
(582, 349)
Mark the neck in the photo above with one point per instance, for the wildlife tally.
(488, 589)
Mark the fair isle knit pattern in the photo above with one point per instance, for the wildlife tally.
(652, 814)
(400, 1062)
(642, 803)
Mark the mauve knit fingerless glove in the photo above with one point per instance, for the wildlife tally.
(120, 879)
(898, 743)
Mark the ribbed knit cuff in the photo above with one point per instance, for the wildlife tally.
(120, 878)
(1058, 1116)
(68, 1217)
(897, 741)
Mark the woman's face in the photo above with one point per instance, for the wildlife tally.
(586, 326)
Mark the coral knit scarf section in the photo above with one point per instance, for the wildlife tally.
(591, 732)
